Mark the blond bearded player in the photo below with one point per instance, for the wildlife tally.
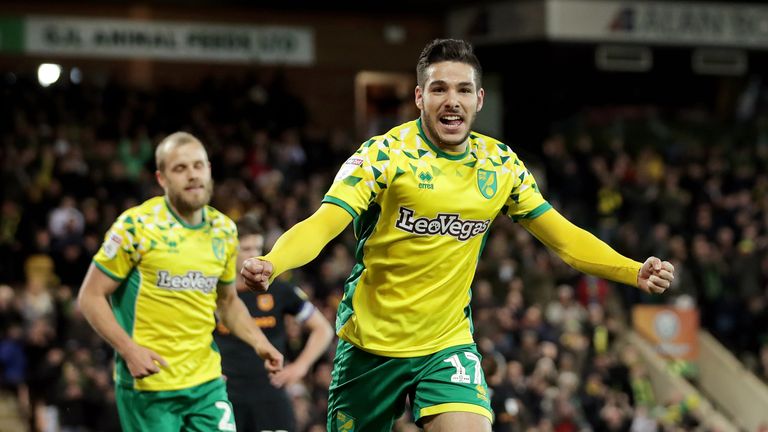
(165, 267)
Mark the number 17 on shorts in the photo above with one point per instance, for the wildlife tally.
(453, 381)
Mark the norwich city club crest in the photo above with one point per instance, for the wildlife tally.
(218, 248)
(486, 182)
(344, 422)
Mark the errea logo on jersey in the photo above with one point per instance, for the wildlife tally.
(192, 281)
(426, 180)
(449, 224)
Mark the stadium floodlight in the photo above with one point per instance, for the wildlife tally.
(48, 73)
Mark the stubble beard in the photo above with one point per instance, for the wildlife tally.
(185, 206)
(443, 144)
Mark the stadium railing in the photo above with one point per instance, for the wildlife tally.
(668, 386)
(730, 385)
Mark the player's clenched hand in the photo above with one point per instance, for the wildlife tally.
(273, 360)
(143, 362)
(655, 275)
(256, 273)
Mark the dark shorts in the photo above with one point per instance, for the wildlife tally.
(202, 408)
(368, 392)
(257, 415)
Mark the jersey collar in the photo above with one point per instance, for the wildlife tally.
(180, 220)
(440, 152)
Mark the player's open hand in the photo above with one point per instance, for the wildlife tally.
(655, 275)
(143, 362)
(273, 360)
(256, 273)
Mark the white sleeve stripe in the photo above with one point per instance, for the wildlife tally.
(307, 309)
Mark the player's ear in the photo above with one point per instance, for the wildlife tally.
(419, 98)
(480, 99)
(160, 178)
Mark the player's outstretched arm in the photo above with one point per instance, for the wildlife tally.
(586, 253)
(296, 247)
(320, 337)
(92, 300)
(234, 315)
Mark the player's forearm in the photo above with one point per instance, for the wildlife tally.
(582, 250)
(317, 344)
(99, 315)
(304, 241)
(234, 315)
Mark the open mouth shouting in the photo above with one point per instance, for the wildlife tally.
(452, 123)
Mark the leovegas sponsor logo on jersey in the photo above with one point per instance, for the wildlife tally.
(449, 224)
(192, 281)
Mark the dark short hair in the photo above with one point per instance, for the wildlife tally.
(249, 225)
(440, 50)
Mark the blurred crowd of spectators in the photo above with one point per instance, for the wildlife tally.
(73, 157)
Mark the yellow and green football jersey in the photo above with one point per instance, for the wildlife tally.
(421, 219)
(166, 301)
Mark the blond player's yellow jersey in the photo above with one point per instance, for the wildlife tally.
(421, 219)
(168, 273)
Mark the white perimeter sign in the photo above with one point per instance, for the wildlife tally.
(677, 23)
(651, 22)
